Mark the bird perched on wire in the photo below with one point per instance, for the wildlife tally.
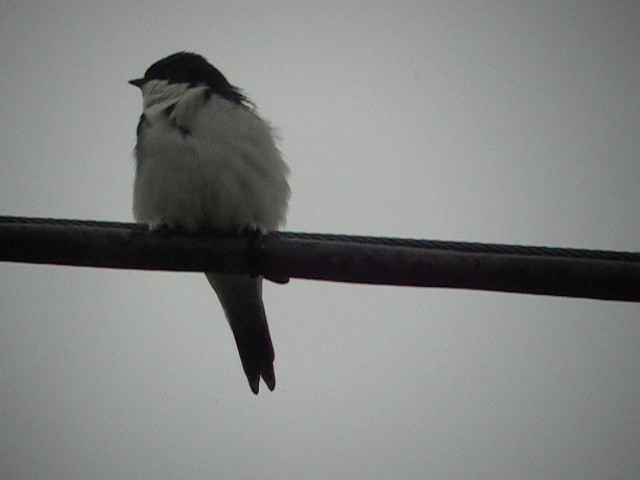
(205, 160)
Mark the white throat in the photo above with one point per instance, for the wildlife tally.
(160, 94)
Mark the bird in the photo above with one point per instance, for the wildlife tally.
(205, 160)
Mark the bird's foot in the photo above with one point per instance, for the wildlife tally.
(162, 225)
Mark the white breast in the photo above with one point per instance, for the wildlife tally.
(206, 164)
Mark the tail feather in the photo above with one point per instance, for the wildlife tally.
(256, 354)
(241, 298)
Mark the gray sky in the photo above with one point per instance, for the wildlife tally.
(511, 122)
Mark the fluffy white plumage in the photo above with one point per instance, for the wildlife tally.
(207, 161)
(226, 175)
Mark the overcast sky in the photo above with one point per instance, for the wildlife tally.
(509, 122)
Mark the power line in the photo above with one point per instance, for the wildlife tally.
(606, 275)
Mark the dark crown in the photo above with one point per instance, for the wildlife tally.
(191, 68)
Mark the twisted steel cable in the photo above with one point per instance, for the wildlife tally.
(601, 274)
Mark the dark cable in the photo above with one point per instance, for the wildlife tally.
(600, 274)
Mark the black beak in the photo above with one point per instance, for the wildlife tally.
(138, 82)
